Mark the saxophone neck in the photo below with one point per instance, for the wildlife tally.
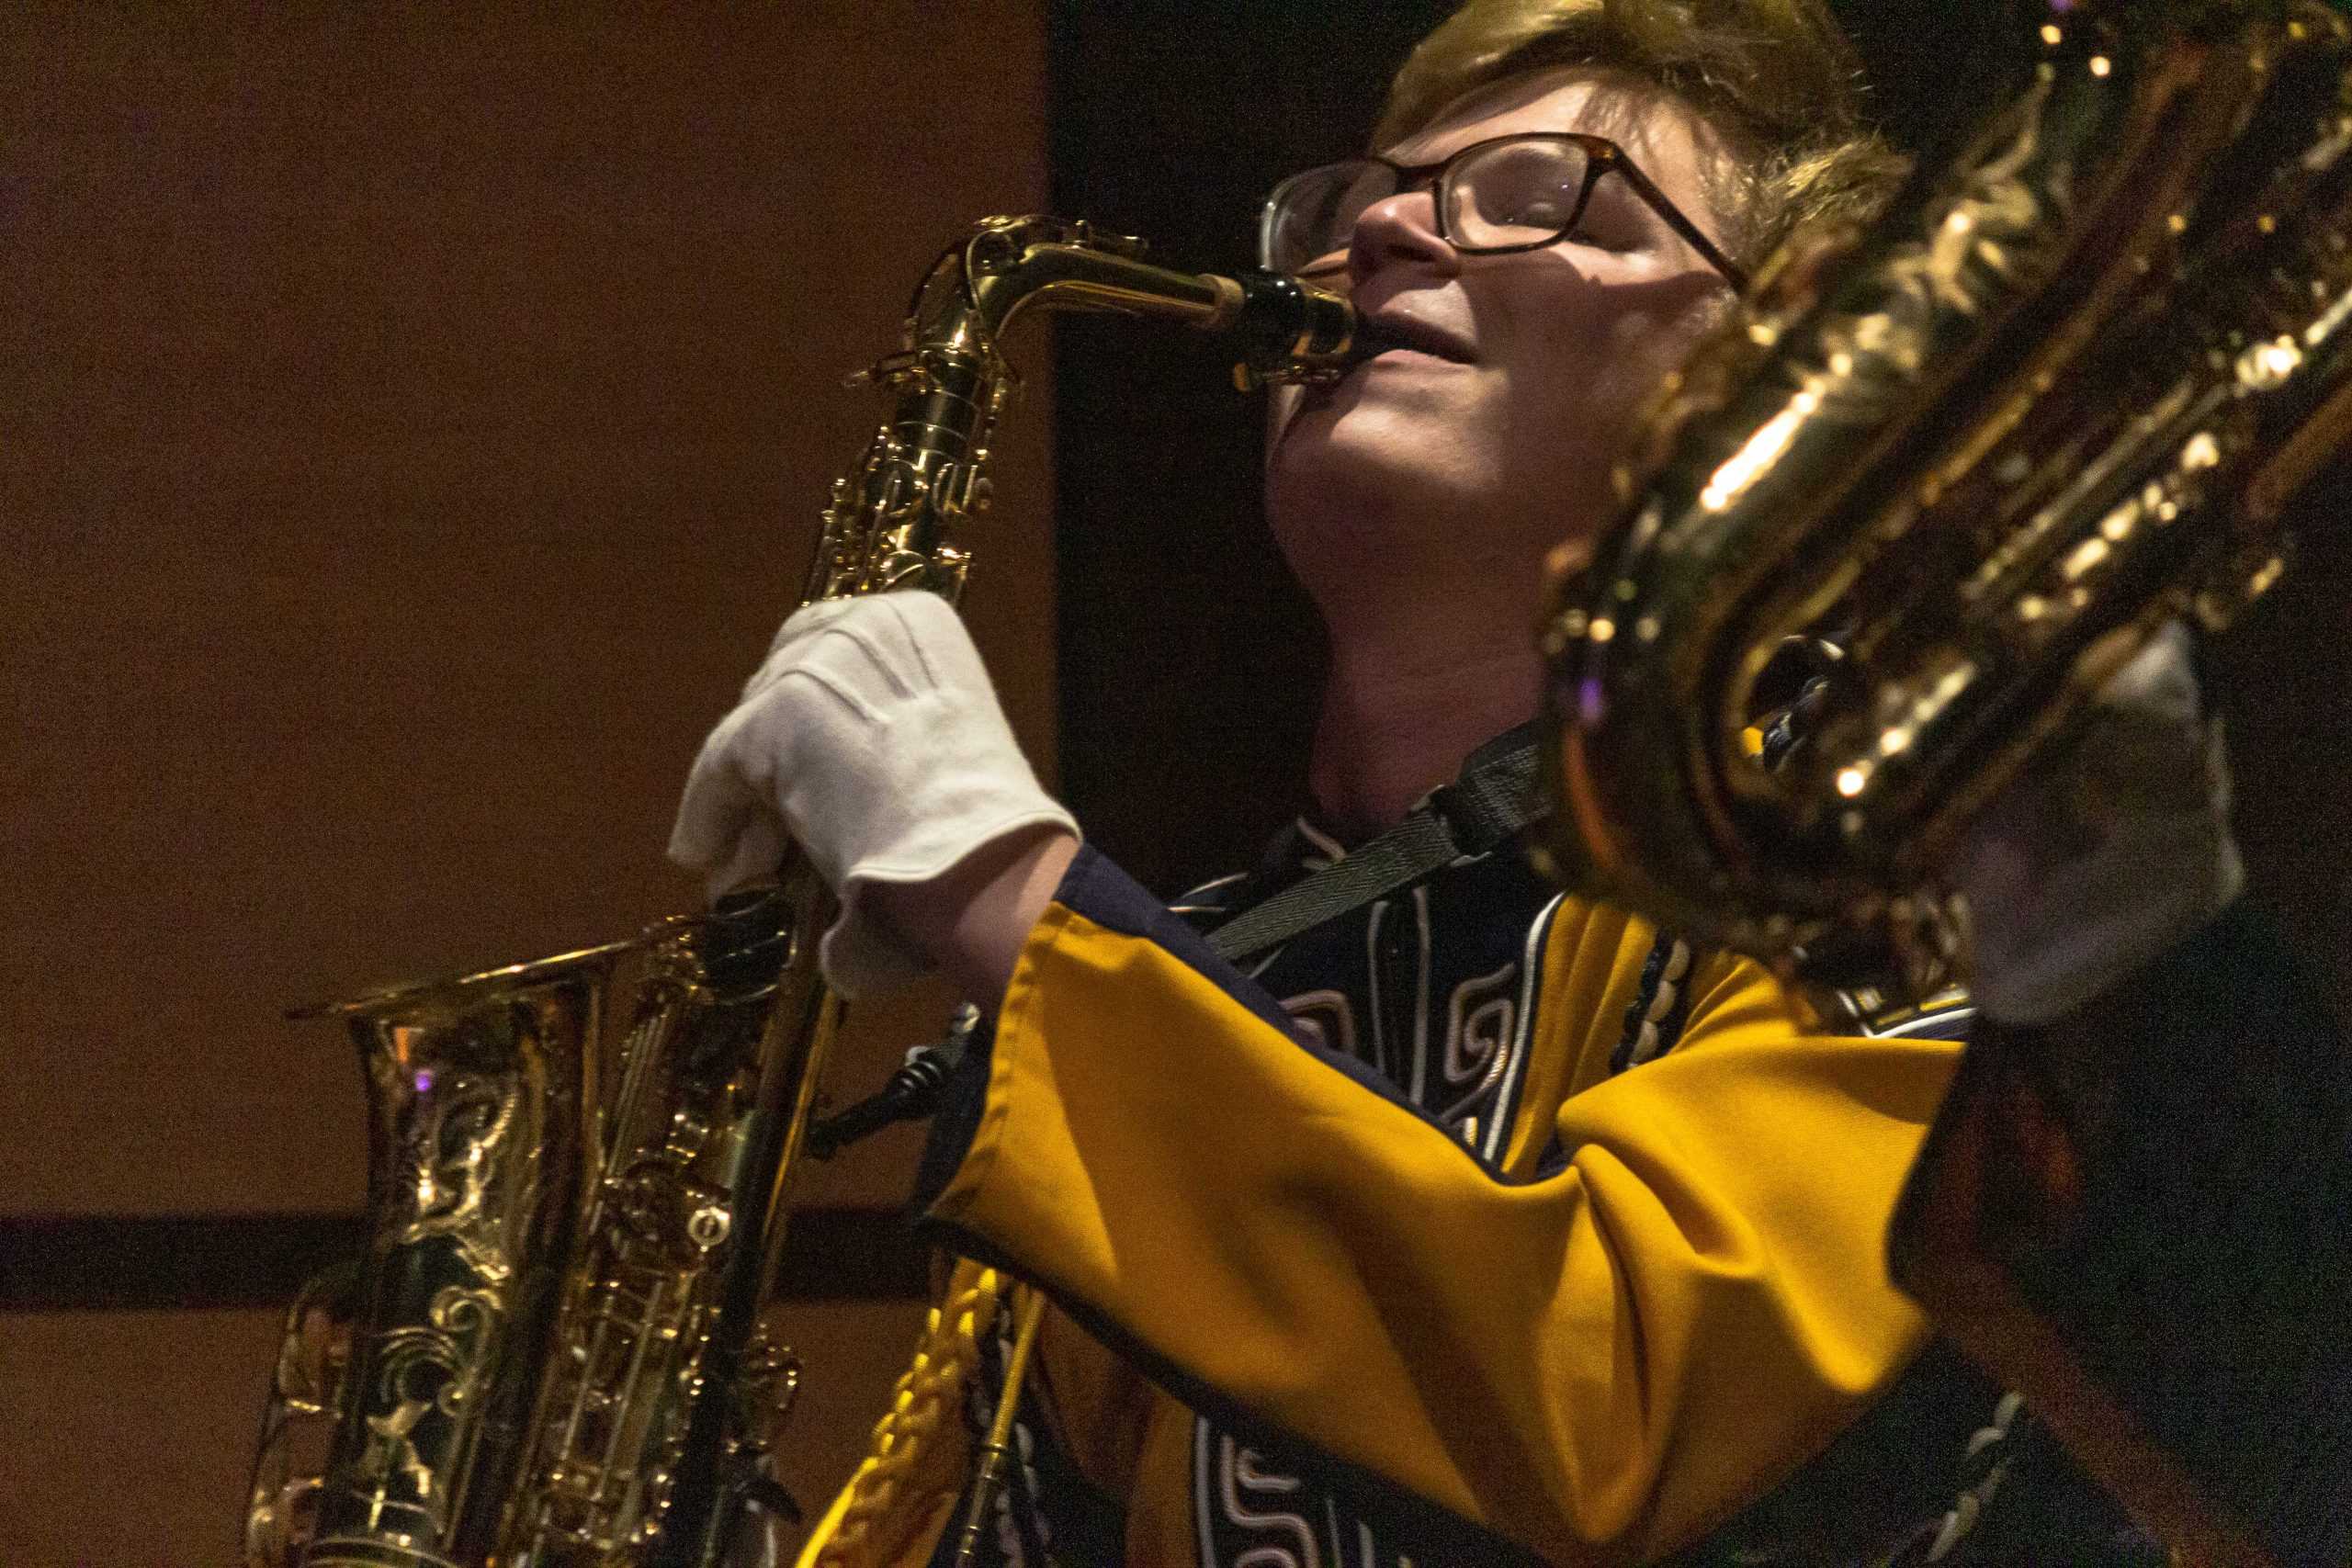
(925, 473)
(1287, 329)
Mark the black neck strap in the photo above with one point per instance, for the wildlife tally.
(1495, 798)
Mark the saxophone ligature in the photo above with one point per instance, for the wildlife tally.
(549, 1356)
(1957, 466)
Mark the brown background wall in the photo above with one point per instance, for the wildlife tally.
(412, 428)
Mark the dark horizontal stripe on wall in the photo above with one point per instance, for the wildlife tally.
(186, 1262)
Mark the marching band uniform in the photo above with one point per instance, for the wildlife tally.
(1526, 1212)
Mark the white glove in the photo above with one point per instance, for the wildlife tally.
(871, 737)
(2087, 868)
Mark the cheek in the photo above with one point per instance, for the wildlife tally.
(1569, 412)
(1600, 368)
(1591, 376)
(1651, 343)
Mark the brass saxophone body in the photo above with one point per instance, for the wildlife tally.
(550, 1355)
(1955, 468)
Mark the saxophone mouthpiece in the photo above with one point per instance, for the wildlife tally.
(1293, 332)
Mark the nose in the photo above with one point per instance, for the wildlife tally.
(1400, 230)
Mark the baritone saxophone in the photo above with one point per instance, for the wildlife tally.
(1953, 470)
(549, 1356)
(1900, 524)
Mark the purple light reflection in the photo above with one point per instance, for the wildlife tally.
(424, 1080)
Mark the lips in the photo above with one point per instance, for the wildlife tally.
(1397, 330)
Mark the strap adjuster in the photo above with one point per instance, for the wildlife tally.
(1485, 808)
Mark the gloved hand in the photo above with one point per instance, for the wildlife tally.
(2090, 865)
(871, 737)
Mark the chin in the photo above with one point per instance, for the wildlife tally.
(1350, 513)
(1362, 482)
(1374, 448)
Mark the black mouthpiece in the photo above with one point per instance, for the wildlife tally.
(1292, 331)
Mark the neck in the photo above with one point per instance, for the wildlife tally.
(1403, 709)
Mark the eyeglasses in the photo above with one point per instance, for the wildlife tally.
(1512, 193)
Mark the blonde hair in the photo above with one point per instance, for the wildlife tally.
(1775, 79)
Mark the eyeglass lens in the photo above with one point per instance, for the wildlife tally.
(1515, 193)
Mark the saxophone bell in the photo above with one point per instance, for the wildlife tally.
(428, 1356)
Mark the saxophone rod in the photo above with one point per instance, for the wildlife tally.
(1029, 1313)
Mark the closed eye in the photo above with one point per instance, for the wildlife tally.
(1616, 219)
